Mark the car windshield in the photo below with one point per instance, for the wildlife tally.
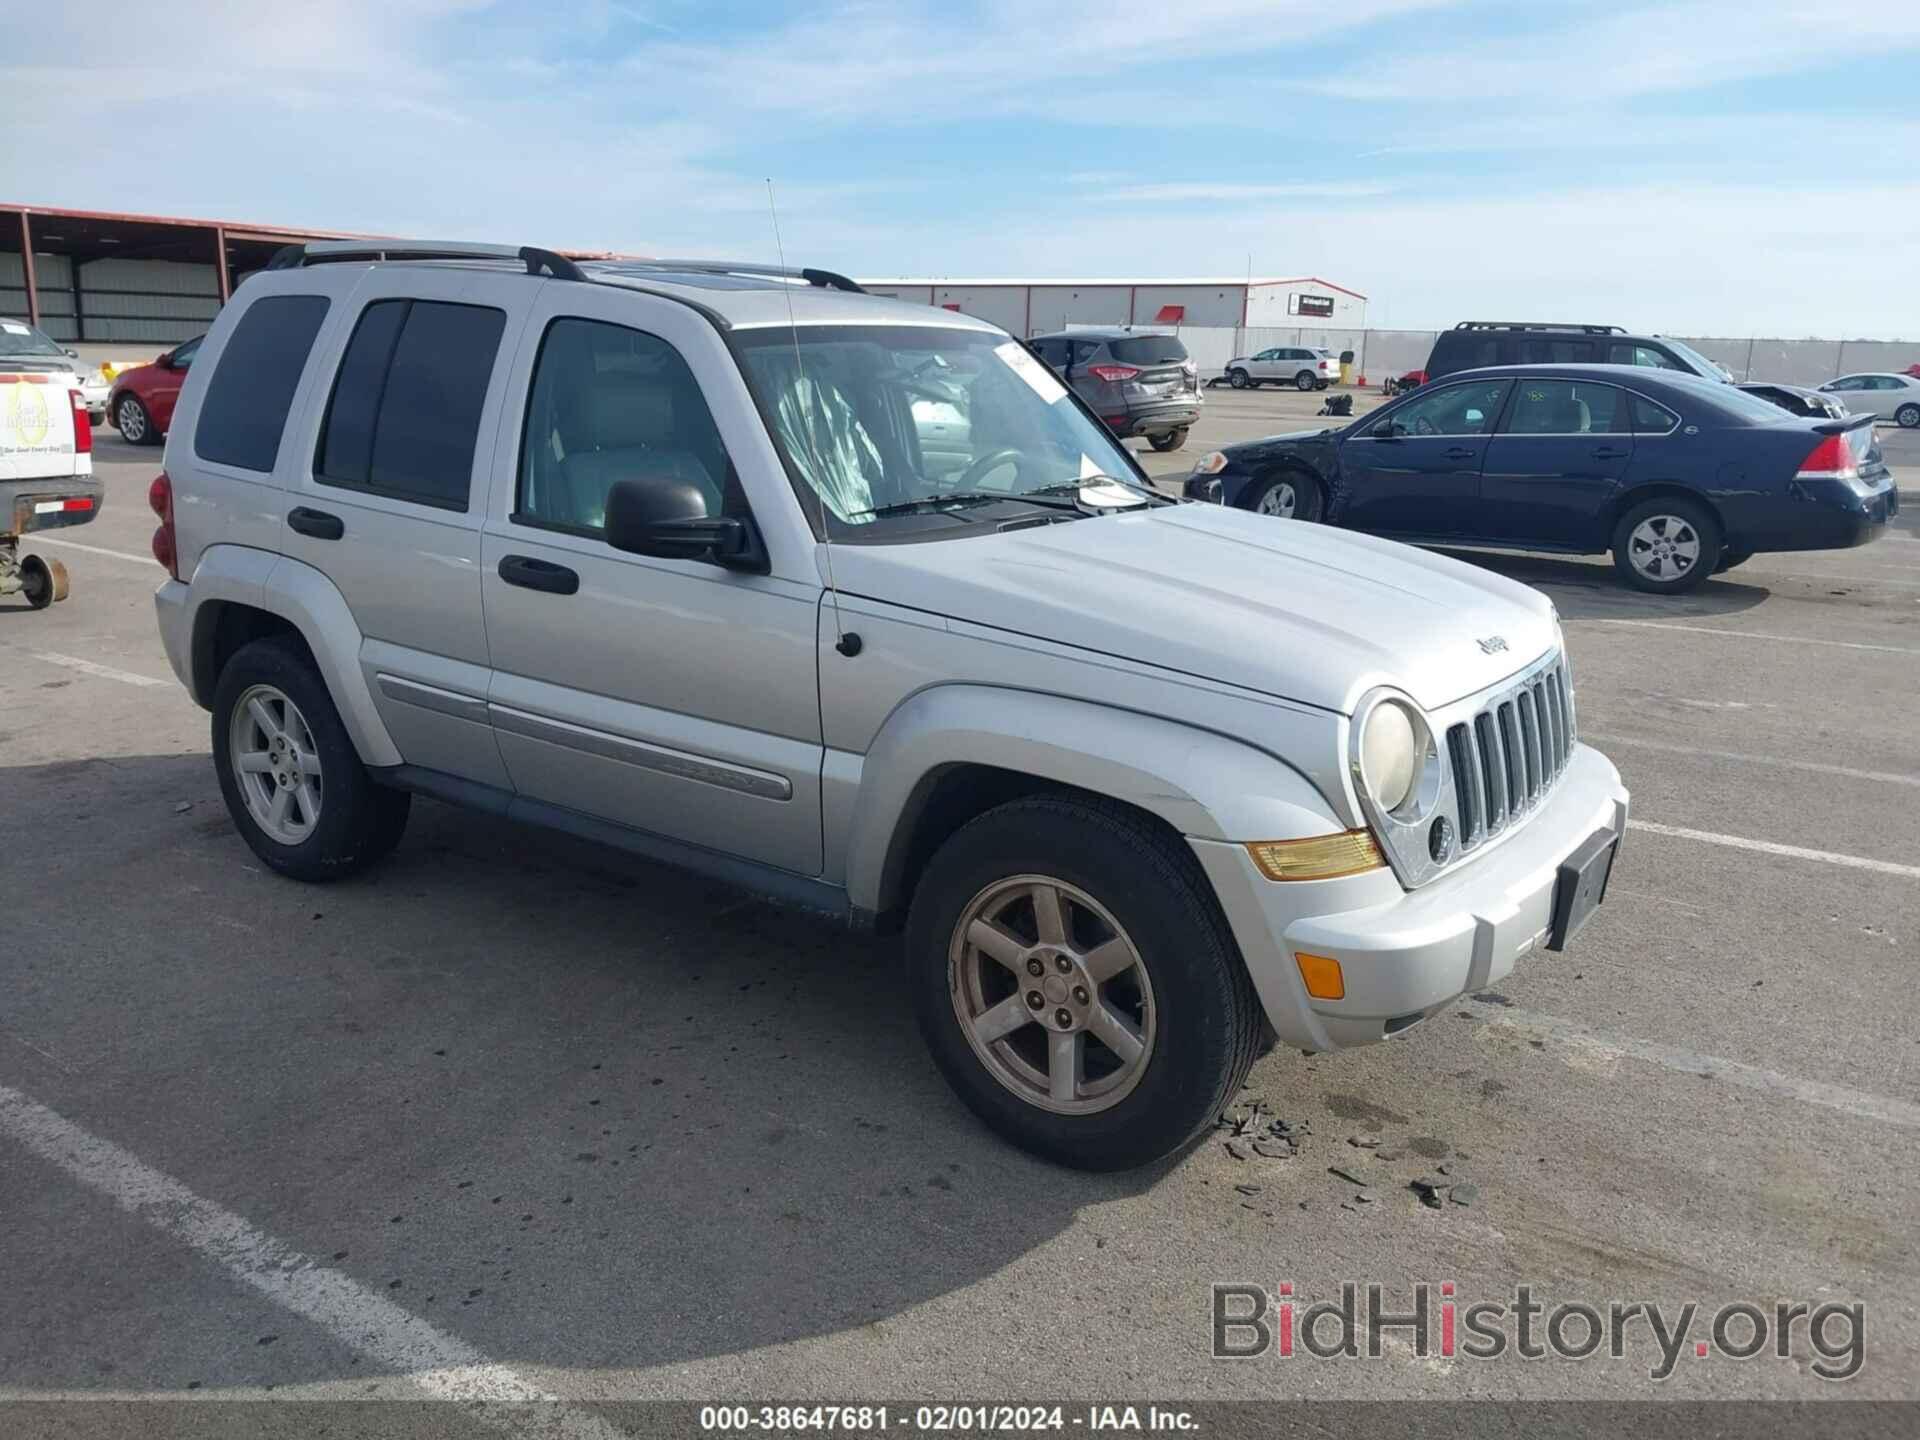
(1743, 403)
(884, 423)
(19, 338)
(1700, 363)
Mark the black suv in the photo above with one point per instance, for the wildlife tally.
(1472, 344)
(1139, 384)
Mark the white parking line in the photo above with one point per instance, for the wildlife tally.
(1746, 634)
(1768, 847)
(126, 555)
(1882, 777)
(444, 1367)
(1689, 1062)
(98, 671)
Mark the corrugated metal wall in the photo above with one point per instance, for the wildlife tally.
(149, 301)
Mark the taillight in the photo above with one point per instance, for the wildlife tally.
(82, 425)
(1832, 459)
(1111, 373)
(160, 500)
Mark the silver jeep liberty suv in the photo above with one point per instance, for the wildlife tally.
(852, 603)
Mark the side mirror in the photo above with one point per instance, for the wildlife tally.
(165, 360)
(73, 354)
(1388, 430)
(667, 519)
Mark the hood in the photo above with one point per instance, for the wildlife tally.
(1297, 611)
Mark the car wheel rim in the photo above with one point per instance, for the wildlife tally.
(132, 423)
(1909, 417)
(1239, 379)
(1279, 500)
(276, 764)
(1664, 547)
(1052, 995)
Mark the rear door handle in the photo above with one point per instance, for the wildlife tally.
(317, 523)
(1608, 452)
(532, 574)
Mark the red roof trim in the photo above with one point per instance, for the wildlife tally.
(1309, 280)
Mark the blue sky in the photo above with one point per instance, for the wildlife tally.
(1725, 167)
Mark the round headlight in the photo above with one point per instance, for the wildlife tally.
(1390, 754)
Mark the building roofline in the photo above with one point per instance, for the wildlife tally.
(1238, 282)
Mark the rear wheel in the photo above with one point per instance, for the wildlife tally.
(1168, 439)
(1305, 380)
(1665, 546)
(1907, 416)
(1288, 495)
(1076, 984)
(1239, 379)
(289, 773)
(134, 424)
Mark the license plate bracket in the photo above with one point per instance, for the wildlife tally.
(1581, 886)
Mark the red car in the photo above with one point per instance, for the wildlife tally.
(140, 406)
(1914, 370)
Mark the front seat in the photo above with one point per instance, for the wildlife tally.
(626, 432)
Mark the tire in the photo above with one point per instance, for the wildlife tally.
(357, 821)
(1305, 380)
(1184, 990)
(1907, 416)
(1168, 440)
(42, 581)
(131, 419)
(1285, 495)
(1731, 558)
(1239, 379)
(1321, 384)
(1684, 525)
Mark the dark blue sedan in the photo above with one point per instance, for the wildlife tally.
(1679, 477)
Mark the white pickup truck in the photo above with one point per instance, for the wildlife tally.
(46, 477)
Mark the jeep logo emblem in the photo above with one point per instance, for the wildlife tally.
(1492, 645)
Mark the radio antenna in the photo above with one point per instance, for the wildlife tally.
(845, 643)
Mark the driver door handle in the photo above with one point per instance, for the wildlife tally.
(1461, 452)
(531, 574)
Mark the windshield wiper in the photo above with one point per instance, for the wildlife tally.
(1075, 486)
(964, 497)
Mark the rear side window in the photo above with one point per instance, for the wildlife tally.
(1565, 407)
(406, 404)
(1652, 419)
(1150, 350)
(1542, 351)
(252, 387)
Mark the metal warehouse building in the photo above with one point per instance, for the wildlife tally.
(1036, 307)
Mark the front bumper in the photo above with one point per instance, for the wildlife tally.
(1406, 954)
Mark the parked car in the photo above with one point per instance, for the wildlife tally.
(1797, 399)
(644, 552)
(1300, 366)
(46, 477)
(1473, 344)
(1137, 383)
(26, 348)
(1884, 396)
(142, 401)
(1679, 477)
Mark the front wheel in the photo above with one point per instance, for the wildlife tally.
(1168, 440)
(1666, 546)
(1286, 496)
(1305, 380)
(1076, 984)
(1239, 379)
(1907, 416)
(292, 780)
(130, 418)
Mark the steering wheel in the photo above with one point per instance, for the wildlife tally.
(1424, 426)
(986, 465)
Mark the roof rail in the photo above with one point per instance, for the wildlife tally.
(321, 252)
(1539, 325)
(820, 279)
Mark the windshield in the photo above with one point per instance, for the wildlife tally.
(19, 338)
(1704, 366)
(887, 418)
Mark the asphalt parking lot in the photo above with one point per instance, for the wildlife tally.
(617, 1134)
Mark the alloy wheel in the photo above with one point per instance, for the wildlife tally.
(1052, 995)
(276, 764)
(1280, 499)
(1664, 547)
(133, 421)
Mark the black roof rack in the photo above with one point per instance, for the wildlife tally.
(1539, 325)
(820, 279)
(322, 252)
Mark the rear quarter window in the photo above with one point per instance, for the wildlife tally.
(245, 409)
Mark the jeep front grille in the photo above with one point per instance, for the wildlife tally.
(1507, 757)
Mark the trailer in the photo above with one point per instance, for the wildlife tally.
(46, 479)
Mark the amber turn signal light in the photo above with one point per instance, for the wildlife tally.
(1322, 974)
(1323, 857)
